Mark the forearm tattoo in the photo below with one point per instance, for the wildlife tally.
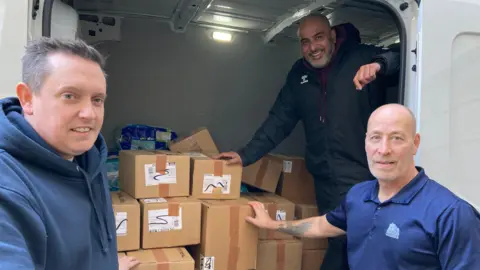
(298, 230)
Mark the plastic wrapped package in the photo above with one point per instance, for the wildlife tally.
(143, 137)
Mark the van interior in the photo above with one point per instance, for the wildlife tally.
(184, 64)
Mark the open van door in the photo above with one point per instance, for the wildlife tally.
(14, 19)
(448, 104)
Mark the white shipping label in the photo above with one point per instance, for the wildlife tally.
(153, 178)
(121, 222)
(210, 182)
(160, 221)
(281, 215)
(155, 200)
(207, 263)
(287, 166)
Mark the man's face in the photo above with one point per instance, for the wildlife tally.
(68, 110)
(318, 42)
(391, 145)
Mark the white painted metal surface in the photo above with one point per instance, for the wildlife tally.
(449, 97)
(14, 20)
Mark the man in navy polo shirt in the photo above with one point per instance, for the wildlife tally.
(401, 220)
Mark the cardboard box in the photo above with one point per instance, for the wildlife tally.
(214, 179)
(200, 140)
(312, 259)
(278, 208)
(121, 254)
(127, 217)
(166, 258)
(170, 222)
(264, 174)
(296, 183)
(279, 255)
(228, 241)
(303, 211)
(149, 174)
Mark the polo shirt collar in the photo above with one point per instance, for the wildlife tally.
(406, 194)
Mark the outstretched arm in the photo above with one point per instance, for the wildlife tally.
(314, 227)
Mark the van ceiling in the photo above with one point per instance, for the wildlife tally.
(270, 18)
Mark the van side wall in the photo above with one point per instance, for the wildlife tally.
(184, 81)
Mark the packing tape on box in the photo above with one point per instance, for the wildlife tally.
(174, 209)
(281, 255)
(234, 249)
(261, 172)
(161, 257)
(272, 212)
(161, 167)
(217, 171)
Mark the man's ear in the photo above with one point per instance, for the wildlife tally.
(333, 34)
(416, 142)
(25, 95)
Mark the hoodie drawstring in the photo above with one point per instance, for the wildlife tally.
(103, 232)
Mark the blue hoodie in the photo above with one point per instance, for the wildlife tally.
(54, 214)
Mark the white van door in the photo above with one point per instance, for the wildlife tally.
(448, 86)
(14, 19)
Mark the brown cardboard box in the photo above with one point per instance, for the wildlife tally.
(296, 183)
(127, 218)
(147, 174)
(214, 179)
(170, 222)
(228, 241)
(279, 255)
(312, 259)
(278, 208)
(303, 211)
(163, 259)
(200, 140)
(264, 174)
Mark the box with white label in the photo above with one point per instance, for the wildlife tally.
(228, 241)
(127, 221)
(170, 222)
(278, 208)
(147, 174)
(296, 183)
(214, 179)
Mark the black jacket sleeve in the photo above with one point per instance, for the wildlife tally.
(280, 122)
(390, 62)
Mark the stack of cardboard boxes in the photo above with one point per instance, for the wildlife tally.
(181, 209)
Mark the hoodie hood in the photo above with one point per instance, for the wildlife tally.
(19, 139)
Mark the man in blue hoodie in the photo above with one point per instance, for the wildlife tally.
(55, 206)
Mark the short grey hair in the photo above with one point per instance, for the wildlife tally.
(35, 65)
(314, 16)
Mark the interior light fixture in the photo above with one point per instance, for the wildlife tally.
(222, 36)
(222, 18)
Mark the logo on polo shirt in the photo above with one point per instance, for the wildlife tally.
(393, 231)
(304, 79)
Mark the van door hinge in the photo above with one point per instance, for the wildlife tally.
(36, 7)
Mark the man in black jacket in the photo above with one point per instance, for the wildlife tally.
(334, 109)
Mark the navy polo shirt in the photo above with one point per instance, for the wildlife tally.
(424, 226)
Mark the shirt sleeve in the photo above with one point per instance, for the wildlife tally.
(338, 216)
(458, 237)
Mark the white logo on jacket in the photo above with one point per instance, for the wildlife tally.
(304, 79)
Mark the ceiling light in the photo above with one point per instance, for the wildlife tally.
(222, 6)
(222, 36)
(222, 18)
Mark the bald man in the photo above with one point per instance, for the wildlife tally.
(322, 91)
(402, 219)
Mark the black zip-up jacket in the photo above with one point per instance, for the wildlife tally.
(333, 112)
